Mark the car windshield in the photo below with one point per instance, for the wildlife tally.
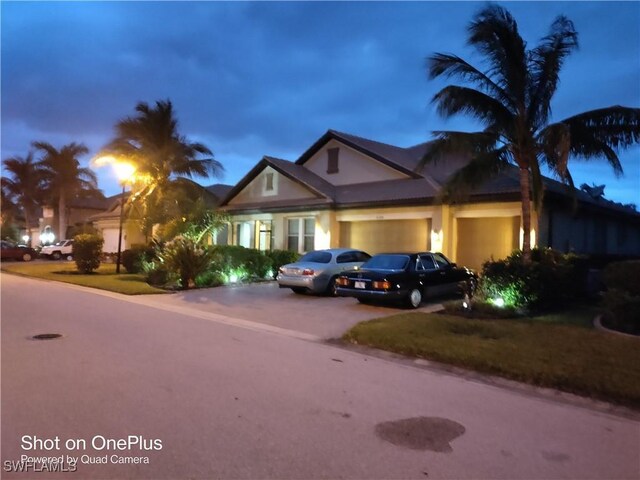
(387, 262)
(316, 257)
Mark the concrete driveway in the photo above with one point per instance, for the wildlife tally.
(325, 317)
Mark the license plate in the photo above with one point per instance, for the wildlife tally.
(358, 284)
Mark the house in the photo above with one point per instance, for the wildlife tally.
(348, 191)
(107, 222)
(78, 212)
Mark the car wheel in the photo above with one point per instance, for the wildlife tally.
(414, 299)
(471, 287)
(332, 287)
(69, 257)
(298, 290)
(56, 255)
(27, 257)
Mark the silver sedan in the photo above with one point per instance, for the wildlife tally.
(317, 271)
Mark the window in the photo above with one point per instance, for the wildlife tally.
(268, 182)
(301, 234)
(346, 257)
(316, 257)
(425, 262)
(387, 262)
(332, 160)
(440, 260)
(244, 234)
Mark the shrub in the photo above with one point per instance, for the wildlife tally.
(156, 273)
(280, 258)
(622, 298)
(186, 259)
(209, 278)
(132, 258)
(546, 282)
(87, 251)
(240, 263)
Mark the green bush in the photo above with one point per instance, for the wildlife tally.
(280, 258)
(622, 297)
(132, 258)
(209, 278)
(87, 251)
(623, 276)
(545, 283)
(187, 259)
(241, 263)
(156, 273)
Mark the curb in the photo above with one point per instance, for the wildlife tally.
(597, 323)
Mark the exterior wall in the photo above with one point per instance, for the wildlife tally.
(283, 189)
(583, 233)
(353, 167)
(109, 229)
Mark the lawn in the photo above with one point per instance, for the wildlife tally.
(546, 352)
(105, 278)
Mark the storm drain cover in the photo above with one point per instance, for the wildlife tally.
(46, 336)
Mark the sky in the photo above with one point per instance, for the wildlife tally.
(250, 79)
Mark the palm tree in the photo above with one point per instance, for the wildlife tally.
(64, 178)
(512, 100)
(165, 161)
(23, 187)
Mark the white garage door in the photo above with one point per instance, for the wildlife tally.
(378, 236)
(110, 236)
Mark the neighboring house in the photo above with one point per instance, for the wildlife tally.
(78, 213)
(107, 223)
(347, 191)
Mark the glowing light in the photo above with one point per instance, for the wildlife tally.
(233, 278)
(124, 171)
(47, 237)
(498, 302)
(533, 238)
(25, 238)
(436, 240)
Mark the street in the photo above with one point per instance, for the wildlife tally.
(230, 399)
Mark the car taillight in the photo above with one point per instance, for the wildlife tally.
(308, 271)
(343, 281)
(381, 285)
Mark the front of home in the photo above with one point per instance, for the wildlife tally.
(347, 191)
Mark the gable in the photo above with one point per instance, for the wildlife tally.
(352, 166)
(270, 185)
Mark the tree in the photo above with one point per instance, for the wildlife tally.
(165, 160)
(64, 179)
(23, 187)
(513, 103)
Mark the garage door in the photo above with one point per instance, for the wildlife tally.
(377, 236)
(481, 238)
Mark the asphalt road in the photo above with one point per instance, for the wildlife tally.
(230, 399)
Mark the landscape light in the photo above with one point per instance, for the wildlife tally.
(498, 302)
(25, 238)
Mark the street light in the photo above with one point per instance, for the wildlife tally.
(124, 172)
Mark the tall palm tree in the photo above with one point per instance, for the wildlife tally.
(165, 160)
(64, 178)
(512, 100)
(23, 186)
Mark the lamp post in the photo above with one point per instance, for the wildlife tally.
(124, 171)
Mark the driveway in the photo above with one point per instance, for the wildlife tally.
(325, 317)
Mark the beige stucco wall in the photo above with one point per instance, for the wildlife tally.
(109, 229)
(283, 189)
(353, 167)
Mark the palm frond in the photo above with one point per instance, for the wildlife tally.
(453, 100)
(494, 33)
(454, 66)
(457, 143)
(546, 60)
(555, 144)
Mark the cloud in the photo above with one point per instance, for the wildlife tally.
(256, 78)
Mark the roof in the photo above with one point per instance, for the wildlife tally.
(219, 190)
(423, 186)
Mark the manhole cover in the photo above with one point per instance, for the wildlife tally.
(46, 336)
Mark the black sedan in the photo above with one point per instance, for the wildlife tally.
(406, 277)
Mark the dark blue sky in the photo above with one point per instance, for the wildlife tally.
(253, 79)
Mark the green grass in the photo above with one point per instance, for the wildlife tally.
(547, 353)
(104, 278)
